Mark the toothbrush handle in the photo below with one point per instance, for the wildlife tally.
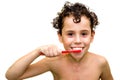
(67, 51)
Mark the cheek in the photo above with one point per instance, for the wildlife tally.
(87, 41)
(67, 40)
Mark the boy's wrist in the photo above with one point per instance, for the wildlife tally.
(40, 51)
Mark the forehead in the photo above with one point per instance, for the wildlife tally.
(69, 23)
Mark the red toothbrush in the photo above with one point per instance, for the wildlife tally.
(71, 51)
(67, 51)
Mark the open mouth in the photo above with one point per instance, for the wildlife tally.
(76, 48)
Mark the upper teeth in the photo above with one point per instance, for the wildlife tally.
(77, 48)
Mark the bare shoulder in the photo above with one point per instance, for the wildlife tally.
(103, 65)
(99, 59)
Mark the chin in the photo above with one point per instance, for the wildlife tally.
(77, 57)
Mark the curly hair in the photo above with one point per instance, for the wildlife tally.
(77, 10)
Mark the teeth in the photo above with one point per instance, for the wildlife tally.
(77, 48)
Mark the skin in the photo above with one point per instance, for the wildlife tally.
(81, 66)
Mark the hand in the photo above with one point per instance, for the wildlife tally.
(50, 50)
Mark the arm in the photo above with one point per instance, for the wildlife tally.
(106, 73)
(23, 68)
(21, 65)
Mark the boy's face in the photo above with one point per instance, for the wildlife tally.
(76, 35)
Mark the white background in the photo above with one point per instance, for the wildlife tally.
(26, 24)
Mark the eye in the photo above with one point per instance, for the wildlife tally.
(84, 33)
(70, 34)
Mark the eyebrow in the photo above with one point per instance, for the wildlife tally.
(73, 30)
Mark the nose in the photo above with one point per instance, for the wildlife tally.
(77, 39)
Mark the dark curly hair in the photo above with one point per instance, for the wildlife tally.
(77, 10)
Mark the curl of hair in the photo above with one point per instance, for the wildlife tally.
(77, 10)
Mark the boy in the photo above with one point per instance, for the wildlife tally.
(75, 24)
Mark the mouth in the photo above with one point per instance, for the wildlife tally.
(77, 49)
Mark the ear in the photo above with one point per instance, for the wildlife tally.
(92, 35)
(60, 37)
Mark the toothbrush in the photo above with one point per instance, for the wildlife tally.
(67, 51)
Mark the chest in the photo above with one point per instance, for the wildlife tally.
(77, 71)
